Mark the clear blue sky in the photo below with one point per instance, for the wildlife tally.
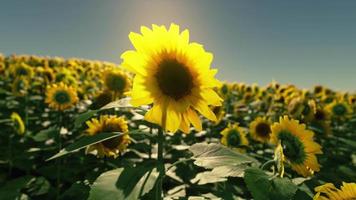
(304, 42)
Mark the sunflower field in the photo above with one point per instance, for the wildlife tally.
(160, 126)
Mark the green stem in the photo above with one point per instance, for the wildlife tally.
(26, 113)
(10, 155)
(268, 164)
(160, 163)
(58, 161)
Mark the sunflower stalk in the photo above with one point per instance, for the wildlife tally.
(58, 161)
(160, 160)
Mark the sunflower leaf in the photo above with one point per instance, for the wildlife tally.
(124, 183)
(84, 142)
(215, 155)
(84, 117)
(121, 103)
(265, 187)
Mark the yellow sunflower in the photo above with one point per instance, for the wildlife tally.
(234, 136)
(107, 124)
(299, 147)
(18, 123)
(174, 75)
(61, 97)
(219, 113)
(339, 109)
(19, 86)
(21, 69)
(329, 192)
(260, 129)
(117, 81)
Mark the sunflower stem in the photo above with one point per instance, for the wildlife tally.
(160, 163)
(58, 161)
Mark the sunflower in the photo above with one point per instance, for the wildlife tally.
(329, 192)
(174, 75)
(260, 129)
(106, 124)
(298, 145)
(234, 136)
(19, 86)
(18, 123)
(61, 97)
(117, 81)
(339, 109)
(21, 70)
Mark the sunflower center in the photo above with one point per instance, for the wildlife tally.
(339, 109)
(263, 129)
(293, 148)
(115, 82)
(62, 97)
(114, 142)
(233, 138)
(21, 71)
(319, 115)
(174, 79)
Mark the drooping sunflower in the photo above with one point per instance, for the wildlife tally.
(234, 136)
(329, 192)
(260, 129)
(18, 123)
(20, 86)
(299, 147)
(107, 124)
(117, 81)
(339, 109)
(61, 97)
(174, 75)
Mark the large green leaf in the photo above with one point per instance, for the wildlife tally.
(128, 183)
(264, 187)
(12, 189)
(219, 174)
(84, 142)
(215, 155)
(223, 161)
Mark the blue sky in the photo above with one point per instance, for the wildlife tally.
(301, 42)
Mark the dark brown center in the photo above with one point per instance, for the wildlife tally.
(263, 129)
(174, 79)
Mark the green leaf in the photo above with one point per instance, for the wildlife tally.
(128, 183)
(12, 189)
(264, 187)
(350, 143)
(84, 117)
(215, 155)
(84, 142)
(104, 187)
(45, 134)
(37, 186)
(219, 174)
(121, 103)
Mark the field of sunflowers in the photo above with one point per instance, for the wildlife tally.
(161, 126)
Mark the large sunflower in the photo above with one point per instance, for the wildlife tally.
(60, 96)
(260, 129)
(234, 136)
(19, 126)
(174, 75)
(299, 147)
(107, 124)
(329, 192)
